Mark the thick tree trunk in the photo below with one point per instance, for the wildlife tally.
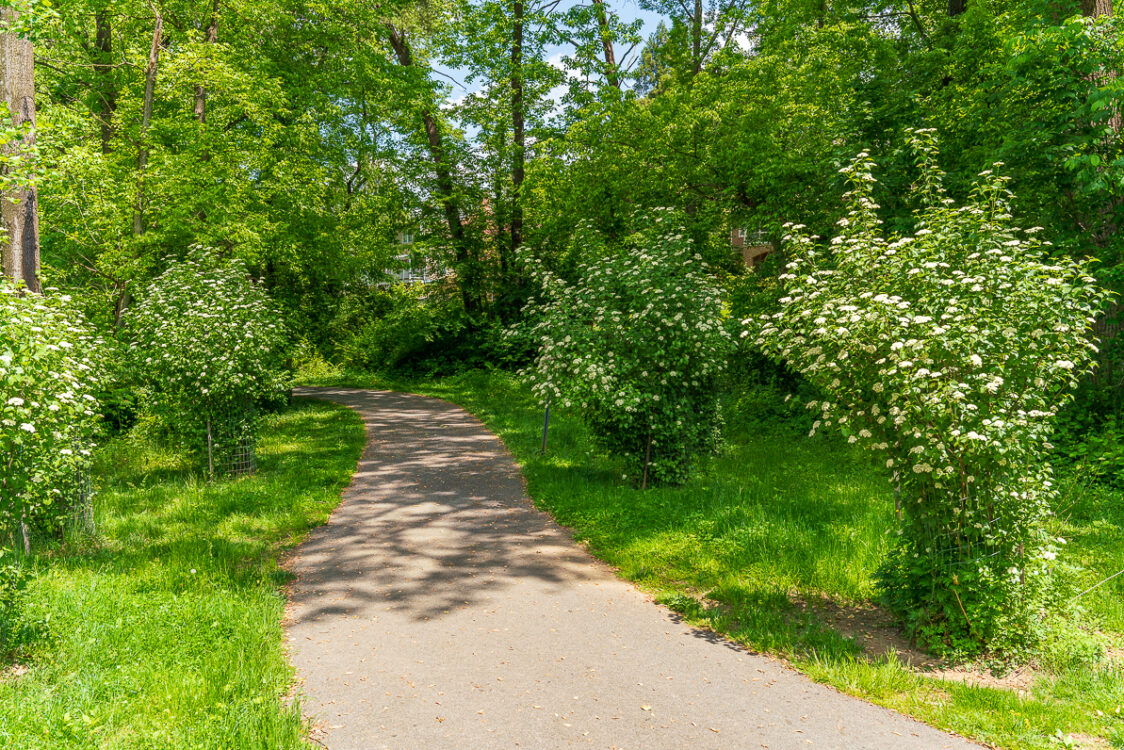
(444, 174)
(612, 75)
(139, 226)
(107, 90)
(518, 138)
(200, 89)
(956, 7)
(20, 248)
(1095, 8)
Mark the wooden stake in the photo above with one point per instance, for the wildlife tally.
(647, 460)
(210, 451)
(545, 428)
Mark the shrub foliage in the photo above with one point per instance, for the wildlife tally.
(209, 344)
(637, 344)
(949, 351)
(47, 408)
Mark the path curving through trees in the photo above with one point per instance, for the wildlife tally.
(439, 609)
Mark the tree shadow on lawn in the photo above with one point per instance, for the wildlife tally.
(171, 516)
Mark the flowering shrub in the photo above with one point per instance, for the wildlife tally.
(949, 351)
(47, 407)
(637, 344)
(209, 344)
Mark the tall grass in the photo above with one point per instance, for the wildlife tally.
(780, 522)
(164, 630)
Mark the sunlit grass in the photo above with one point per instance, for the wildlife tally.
(164, 631)
(778, 519)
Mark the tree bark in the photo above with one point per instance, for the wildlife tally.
(1096, 8)
(518, 138)
(201, 89)
(696, 36)
(20, 249)
(103, 42)
(442, 171)
(956, 7)
(139, 226)
(612, 75)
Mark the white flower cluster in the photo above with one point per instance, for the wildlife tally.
(640, 338)
(48, 376)
(950, 349)
(205, 335)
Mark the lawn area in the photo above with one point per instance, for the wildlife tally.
(776, 544)
(164, 630)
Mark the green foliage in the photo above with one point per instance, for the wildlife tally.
(48, 378)
(209, 344)
(949, 351)
(397, 335)
(20, 630)
(638, 344)
(165, 630)
(779, 524)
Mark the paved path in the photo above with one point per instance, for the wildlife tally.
(438, 610)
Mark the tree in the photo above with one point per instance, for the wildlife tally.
(20, 202)
(949, 351)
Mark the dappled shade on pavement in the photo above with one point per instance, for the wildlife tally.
(438, 609)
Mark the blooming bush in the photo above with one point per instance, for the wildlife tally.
(47, 408)
(209, 344)
(949, 351)
(637, 344)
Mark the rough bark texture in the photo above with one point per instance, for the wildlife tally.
(612, 75)
(443, 172)
(1095, 8)
(20, 205)
(518, 137)
(103, 42)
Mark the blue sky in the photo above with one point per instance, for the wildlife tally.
(628, 10)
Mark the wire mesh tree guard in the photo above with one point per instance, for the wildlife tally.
(231, 435)
(75, 496)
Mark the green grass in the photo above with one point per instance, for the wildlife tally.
(781, 519)
(164, 631)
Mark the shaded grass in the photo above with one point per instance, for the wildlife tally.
(164, 630)
(778, 519)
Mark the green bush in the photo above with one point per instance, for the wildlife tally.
(402, 325)
(48, 376)
(19, 629)
(638, 345)
(421, 329)
(210, 348)
(947, 351)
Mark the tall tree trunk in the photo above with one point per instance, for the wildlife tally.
(1095, 8)
(20, 245)
(696, 36)
(200, 89)
(956, 7)
(612, 75)
(107, 89)
(146, 120)
(518, 139)
(444, 174)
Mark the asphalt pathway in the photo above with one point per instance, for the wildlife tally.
(438, 609)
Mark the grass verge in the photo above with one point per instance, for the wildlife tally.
(164, 630)
(775, 544)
